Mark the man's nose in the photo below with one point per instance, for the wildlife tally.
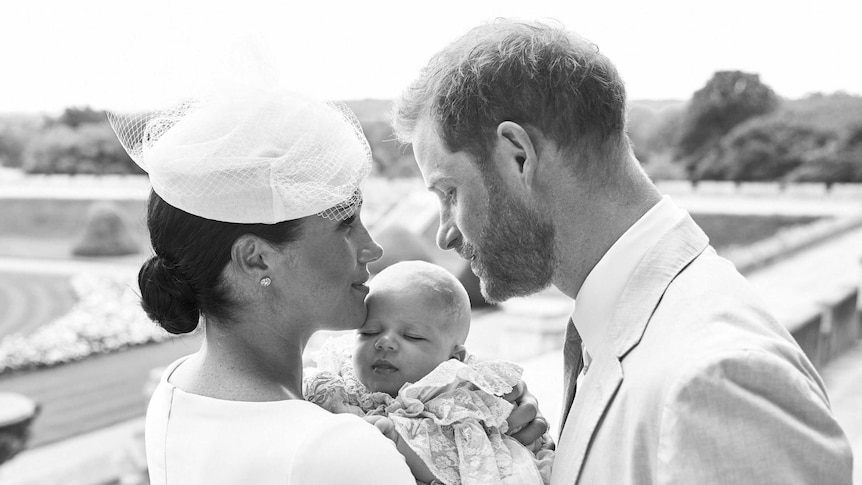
(448, 235)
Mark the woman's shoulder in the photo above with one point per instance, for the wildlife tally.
(346, 449)
(221, 438)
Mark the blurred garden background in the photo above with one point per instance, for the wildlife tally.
(767, 158)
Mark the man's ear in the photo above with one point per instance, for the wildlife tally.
(250, 254)
(518, 152)
(459, 352)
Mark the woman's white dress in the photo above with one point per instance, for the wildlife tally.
(192, 439)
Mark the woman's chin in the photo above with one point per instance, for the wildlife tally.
(351, 320)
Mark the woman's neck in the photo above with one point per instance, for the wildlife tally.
(247, 362)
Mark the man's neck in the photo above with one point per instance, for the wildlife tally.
(588, 226)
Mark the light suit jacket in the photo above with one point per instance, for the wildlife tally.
(705, 387)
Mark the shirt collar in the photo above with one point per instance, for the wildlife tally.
(595, 302)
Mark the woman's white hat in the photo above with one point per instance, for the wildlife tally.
(251, 156)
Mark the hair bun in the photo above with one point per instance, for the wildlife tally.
(167, 297)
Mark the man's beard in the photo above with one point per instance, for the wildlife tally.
(514, 254)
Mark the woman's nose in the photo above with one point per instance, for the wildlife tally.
(385, 342)
(370, 250)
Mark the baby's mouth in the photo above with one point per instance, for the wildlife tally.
(382, 366)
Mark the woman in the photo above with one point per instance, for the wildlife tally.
(254, 220)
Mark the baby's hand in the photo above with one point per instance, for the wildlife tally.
(384, 425)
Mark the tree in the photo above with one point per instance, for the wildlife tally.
(16, 132)
(653, 134)
(728, 99)
(843, 164)
(12, 146)
(763, 149)
(74, 117)
(390, 159)
(92, 148)
(817, 139)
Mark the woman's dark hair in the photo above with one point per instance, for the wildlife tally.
(183, 279)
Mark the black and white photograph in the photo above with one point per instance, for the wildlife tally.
(431, 243)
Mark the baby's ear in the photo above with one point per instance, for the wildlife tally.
(459, 352)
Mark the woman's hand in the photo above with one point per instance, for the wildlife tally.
(526, 423)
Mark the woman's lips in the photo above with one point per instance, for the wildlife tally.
(362, 287)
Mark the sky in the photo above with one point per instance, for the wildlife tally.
(122, 54)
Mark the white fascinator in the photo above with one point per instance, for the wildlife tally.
(251, 155)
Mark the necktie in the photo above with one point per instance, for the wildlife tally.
(573, 363)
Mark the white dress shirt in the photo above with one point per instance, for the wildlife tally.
(596, 301)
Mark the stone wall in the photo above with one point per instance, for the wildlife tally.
(761, 189)
(833, 330)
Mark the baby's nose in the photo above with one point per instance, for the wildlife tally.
(385, 342)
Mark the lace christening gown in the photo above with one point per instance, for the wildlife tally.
(454, 418)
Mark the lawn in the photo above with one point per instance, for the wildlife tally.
(727, 230)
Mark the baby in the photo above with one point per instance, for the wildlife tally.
(409, 364)
(418, 318)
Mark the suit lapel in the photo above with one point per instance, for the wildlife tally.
(598, 389)
(662, 263)
(637, 303)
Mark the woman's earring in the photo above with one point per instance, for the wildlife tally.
(265, 281)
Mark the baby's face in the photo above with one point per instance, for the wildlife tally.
(404, 338)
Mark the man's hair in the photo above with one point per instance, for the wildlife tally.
(534, 74)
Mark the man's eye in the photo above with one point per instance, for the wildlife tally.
(449, 195)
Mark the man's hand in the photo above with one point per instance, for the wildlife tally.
(526, 424)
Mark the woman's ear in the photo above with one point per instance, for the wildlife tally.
(250, 255)
(518, 152)
(459, 352)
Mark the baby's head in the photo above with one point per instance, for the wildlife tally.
(418, 318)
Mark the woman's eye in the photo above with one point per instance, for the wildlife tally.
(349, 221)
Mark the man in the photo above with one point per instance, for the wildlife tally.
(519, 128)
